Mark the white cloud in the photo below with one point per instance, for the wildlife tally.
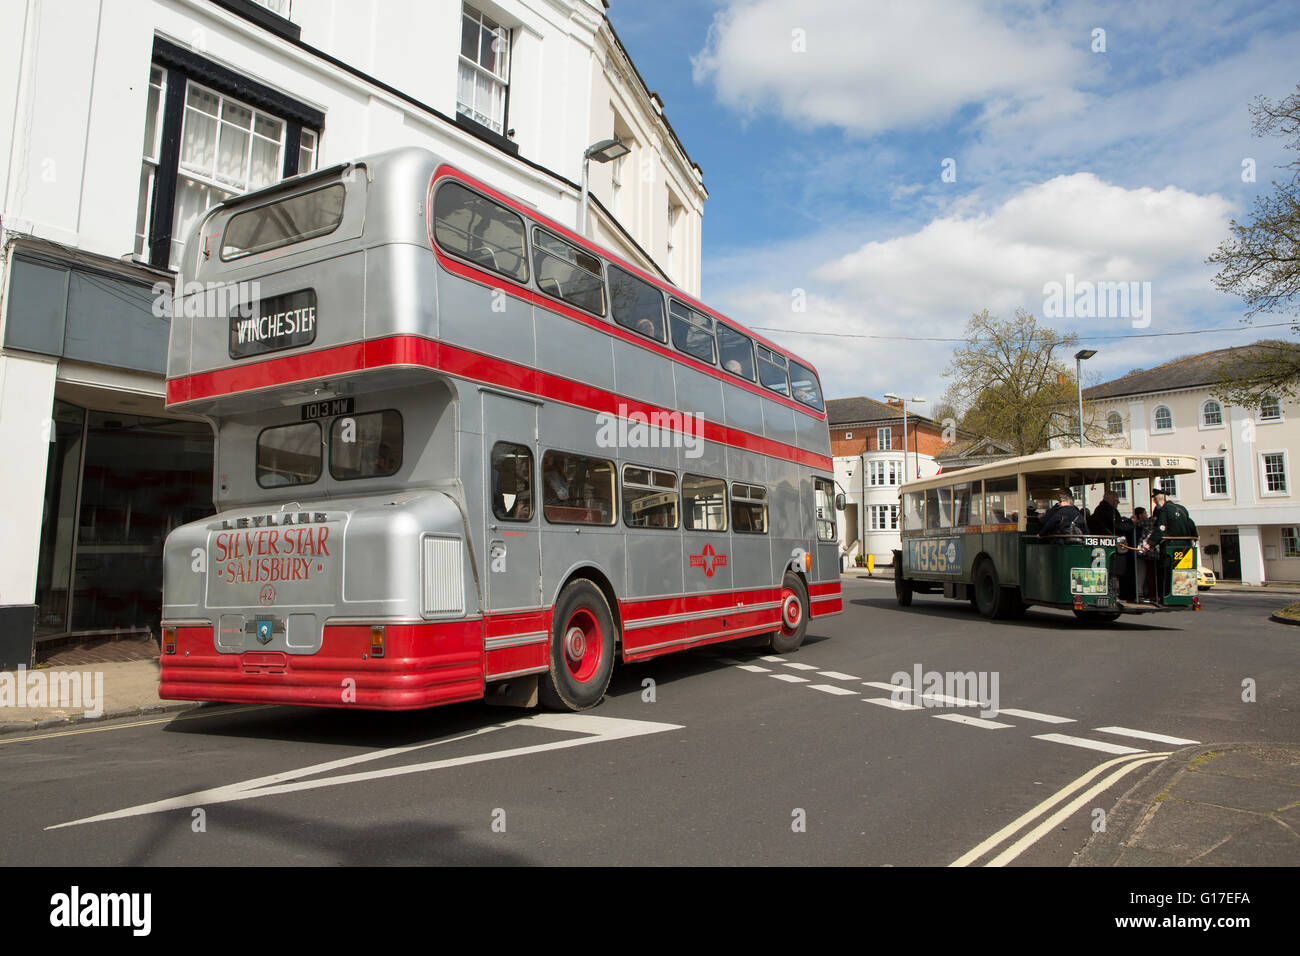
(928, 282)
(877, 66)
(1001, 259)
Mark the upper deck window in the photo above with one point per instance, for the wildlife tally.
(289, 455)
(692, 332)
(476, 228)
(366, 446)
(771, 371)
(284, 222)
(804, 387)
(567, 272)
(636, 304)
(736, 351)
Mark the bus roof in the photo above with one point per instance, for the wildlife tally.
(1117, 464)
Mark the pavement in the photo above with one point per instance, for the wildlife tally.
(84, 682)
(1221, 805)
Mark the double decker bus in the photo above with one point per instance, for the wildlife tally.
(463, 452)
(973, 534)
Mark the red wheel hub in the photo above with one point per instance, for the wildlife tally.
(582, 645)
(791, 611)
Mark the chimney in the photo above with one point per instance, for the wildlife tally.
(895, 403)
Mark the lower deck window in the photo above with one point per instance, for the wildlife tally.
(649, 498)
(748, 509)
(366, 446)
(289, 455)
(704, 503)
(512, 482)
(577, 489)
(824, 493)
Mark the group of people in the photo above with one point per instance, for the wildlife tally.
(1143, 533)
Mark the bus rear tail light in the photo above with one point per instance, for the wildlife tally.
(1078, 603)
(1196, 602)
(169, 640)
(376, 640)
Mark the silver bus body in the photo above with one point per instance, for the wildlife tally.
(406, 590)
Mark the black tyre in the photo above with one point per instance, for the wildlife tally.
(902, 586)
(583, 638)
(794, 615)
(989, 597)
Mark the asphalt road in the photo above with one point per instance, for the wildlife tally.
(720, 756)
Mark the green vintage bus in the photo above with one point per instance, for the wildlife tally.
(973, 535)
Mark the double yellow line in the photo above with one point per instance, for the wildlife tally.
(1046, 819)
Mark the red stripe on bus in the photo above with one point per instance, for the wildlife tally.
(453, 360)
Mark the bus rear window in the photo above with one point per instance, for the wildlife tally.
(365, 446)
(284, 222)
(289, 455)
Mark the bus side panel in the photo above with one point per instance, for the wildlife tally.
(751, 553)
(570, 350)
(789, 493)
(485, 320)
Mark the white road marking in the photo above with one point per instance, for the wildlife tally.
(971, 721)
(890, 702)
(754, 668)
(836, 675)
(799, 667)
(1067, 811)
(831, 689)
(1090, 744)
(953, 701)
(791, 678)
(594, 730)
(1035, 715)
(773, 658)
(1029, 816)
(1146, 735)
(880, 685)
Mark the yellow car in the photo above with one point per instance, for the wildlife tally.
(1204, 578)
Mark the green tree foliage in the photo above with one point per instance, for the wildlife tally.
(1260, 262)
(1011, 382)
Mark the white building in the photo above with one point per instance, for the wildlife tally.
(123, 119)
(1244, 499)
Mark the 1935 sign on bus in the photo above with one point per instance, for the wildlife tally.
(418, 497)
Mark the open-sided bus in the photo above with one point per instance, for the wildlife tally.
(460, 448)
(973, 535)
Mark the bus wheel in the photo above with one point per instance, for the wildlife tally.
(582, 649)
(902, 586)
(794, 615)
(1099, 617)
(989, 598)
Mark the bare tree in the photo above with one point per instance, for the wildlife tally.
(1260, 262)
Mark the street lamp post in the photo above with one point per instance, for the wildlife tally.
(1079, 358)
(602, 152)
(915, 401)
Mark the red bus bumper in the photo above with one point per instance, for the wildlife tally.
(424, 665)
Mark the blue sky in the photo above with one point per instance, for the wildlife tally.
(823, 128)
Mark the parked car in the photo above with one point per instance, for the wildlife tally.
(1204, 578)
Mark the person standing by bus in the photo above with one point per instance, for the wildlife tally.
(1105, 517)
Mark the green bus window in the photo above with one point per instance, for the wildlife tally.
(913, 511)
(961, 517)
(976, 504)
(1002, 500)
